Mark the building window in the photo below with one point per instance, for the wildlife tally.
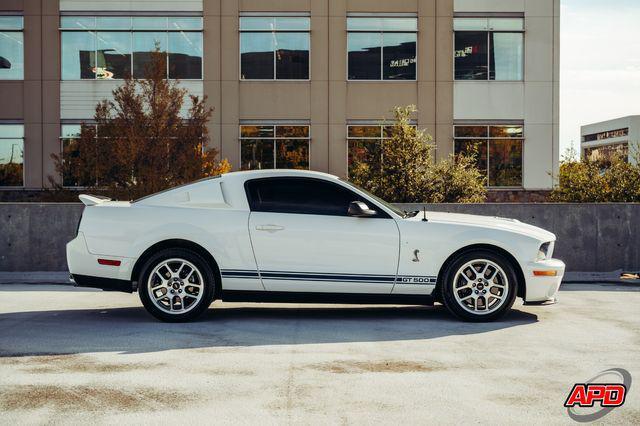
(274, 48)
(11, 155)
(498, 151)
(606, 154)
(489, 49)
(382, 48)
(70, 147)
(274, 147)
(114, 47)
(365, 146)
(11, 48)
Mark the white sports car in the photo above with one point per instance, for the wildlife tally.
(298, 236)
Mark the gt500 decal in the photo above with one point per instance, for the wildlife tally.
(416, 280)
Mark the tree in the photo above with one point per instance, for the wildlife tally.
(140, 143)
(586, 181)
(403, 169)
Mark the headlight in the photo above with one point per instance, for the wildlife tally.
(543, 251)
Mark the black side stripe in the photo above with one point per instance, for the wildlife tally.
(334, 277)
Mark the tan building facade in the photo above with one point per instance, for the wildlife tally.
(481, 72)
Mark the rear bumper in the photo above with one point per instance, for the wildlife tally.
(87, 272)
(106, 284)
(543, 279)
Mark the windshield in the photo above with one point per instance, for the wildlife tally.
(394, 209)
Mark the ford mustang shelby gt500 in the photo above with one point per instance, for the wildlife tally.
(299, 236)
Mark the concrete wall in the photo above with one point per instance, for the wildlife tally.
(591, 237)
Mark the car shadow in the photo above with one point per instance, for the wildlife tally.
(132, 330)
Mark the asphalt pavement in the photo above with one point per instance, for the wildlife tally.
(72, 355)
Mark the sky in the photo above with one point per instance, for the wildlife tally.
(599, 64)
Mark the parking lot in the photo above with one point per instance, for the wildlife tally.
(69, 355)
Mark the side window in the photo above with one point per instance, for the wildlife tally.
(301, 196)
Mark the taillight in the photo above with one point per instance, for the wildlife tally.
(109, 262)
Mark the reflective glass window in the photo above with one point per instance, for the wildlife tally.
(113, 23)
(365, 56)
(292, 56)
(78, 55)
(399, 56)
(489, 49)
(274, 48)
(506, 56)
(11, 22)
(149, 23)
(381, 48)
(498, 150)
(11, 55)
(78, 22)
(185, 23)
(71, 148)
(274, 146)
(11, 155)
(144, 43)
(471, 60)
(122, 45)
(113, 55)
(185, 55)
(257, 56)
(505, 162)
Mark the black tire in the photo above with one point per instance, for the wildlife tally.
(209, 284)
(448, 284)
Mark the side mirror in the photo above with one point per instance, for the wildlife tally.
(360, 209)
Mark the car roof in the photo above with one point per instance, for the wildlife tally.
(256, 174)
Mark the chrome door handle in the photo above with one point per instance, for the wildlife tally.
(269, 228)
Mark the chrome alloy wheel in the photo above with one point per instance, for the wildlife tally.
(480, 286)
(175, 286)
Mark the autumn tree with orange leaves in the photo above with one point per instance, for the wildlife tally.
(140, 143)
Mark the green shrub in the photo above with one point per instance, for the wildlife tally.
(584, 181)
(404, 171)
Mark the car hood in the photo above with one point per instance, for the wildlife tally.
(501, 223)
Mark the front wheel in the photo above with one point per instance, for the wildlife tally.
(176, 285)
(479, 286)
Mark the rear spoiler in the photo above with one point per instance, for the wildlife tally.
(92, 200)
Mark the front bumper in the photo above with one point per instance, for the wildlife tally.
(543, 279)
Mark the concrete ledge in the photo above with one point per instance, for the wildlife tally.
(35, 277)
(596, 277)
(591, 237)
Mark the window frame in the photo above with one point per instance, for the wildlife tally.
(381, 32)
(131, 30)
(487, 139)
(275, 31)
(274, 139)
(489, 31)
(18, 30)
(24, 169)
(255, 207)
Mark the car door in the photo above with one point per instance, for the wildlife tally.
(305, 241)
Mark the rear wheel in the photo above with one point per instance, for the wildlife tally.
(479, 286)
(176, 285)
